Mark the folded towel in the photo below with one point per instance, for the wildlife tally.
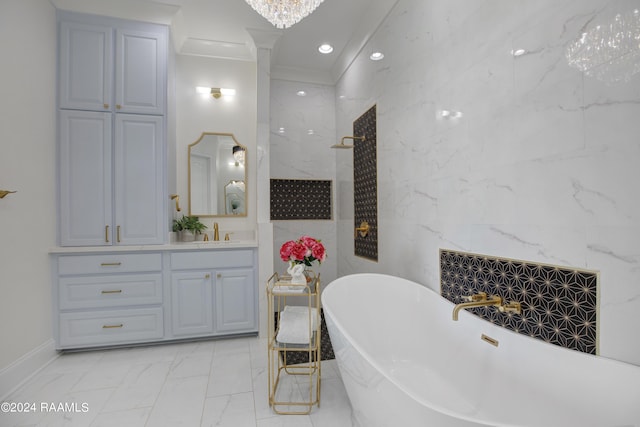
(293, 327)
(304, 311)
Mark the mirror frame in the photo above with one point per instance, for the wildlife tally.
(202, 136)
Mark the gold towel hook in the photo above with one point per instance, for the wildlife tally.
(5, 192)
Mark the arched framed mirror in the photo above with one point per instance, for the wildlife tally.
(217, 176)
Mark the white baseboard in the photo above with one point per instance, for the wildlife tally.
(20, 371)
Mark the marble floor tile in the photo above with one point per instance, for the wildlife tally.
(231, 410)
(180, 402)
(219, 383)
(131, 418)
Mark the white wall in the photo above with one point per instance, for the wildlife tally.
(196, 114)
(27, 164)
(541, 167)
(297, 154)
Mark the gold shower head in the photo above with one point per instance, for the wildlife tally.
(343, 145)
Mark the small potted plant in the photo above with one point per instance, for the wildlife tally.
(188, 227)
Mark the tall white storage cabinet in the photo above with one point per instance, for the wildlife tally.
(116, 279)
(112, 92)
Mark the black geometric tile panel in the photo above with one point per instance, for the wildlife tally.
(300, 199)
(559, 304)
(365, 184)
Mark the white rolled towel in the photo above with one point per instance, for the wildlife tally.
(293, 327)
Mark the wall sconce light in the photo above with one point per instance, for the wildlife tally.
(216, 92)
(238, 154)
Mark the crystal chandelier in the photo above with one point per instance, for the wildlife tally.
(284, 13)
(609, 51)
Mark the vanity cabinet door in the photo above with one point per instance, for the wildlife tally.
(86, 66)
(138, 169)
(192, 303)
(85, 178)
(94, 70)
(140, 71)
(235, 301)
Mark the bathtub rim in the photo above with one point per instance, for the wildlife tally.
(464, 314)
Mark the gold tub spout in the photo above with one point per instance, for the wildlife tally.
(482, 301)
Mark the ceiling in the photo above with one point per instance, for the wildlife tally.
(231, 29)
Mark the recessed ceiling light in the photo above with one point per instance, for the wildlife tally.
(301, 93)
(281, 130)
(518, 52)
(310, 132)
(376, 56)
(325, 48)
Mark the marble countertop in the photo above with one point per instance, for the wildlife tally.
(177, 246)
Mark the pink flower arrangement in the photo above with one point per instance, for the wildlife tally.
(305, 250)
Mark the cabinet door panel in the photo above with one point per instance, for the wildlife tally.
(235, 301)
(86, 66)
(138, 179)
(192, 303)
(85, 178)
(140, 71)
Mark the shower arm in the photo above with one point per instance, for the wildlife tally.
(343, 145)
(359, 138)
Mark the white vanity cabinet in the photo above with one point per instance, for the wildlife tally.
(213, 292)
(111, 179)
(105, 297)
(111, 65)
(108, 299)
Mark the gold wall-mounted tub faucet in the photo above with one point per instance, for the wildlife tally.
(481, 301)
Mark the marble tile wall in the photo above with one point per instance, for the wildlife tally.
(542, 164)
(302, 132)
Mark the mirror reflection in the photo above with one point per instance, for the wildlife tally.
(217, 176)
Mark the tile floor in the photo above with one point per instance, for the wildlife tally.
(208, 383)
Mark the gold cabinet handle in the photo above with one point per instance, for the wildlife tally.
(219, 275)
(207, 276)
(120, 325)
(118, 234)
(106, 106)
(363, 229)
(118, 106)
(106, 233)
(115, 291)
(110, 264)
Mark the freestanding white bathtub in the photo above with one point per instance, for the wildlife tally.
(405, 362)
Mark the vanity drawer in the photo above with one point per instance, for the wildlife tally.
(211, 259)
(79, 292)
(112, 263)
(110, 327)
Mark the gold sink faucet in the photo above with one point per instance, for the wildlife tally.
(478, 300)
(216, 232)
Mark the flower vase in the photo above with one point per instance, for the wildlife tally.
(296, 271)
